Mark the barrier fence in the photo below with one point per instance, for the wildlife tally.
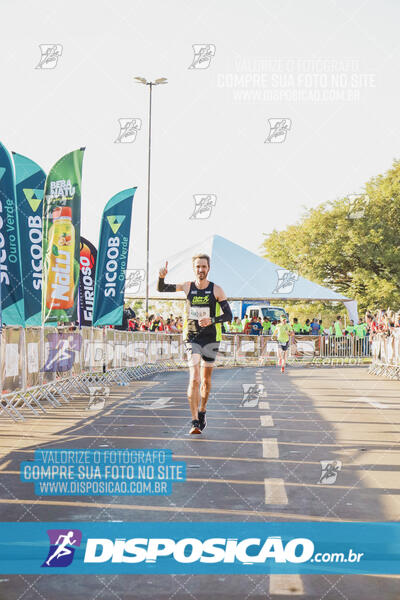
(385, 351)
(48, 365)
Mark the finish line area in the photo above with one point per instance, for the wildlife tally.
(312, 445)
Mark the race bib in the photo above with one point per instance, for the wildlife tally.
(199, 312)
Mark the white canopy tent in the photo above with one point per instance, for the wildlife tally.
(242, 274)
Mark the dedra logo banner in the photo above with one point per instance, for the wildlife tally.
(191, 550)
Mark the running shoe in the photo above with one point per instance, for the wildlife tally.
(195, 427)
(282, 369)
(202, 420)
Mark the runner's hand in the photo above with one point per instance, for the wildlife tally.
(164, 270)
(205, 321)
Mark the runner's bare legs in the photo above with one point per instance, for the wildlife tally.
(193, 390)
(206, 372)
(279, 356)
(199, 386)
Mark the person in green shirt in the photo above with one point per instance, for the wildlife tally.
(236, 326)
(350, 328)
(282, 332)
(296, 326)
(266, 326)
(361, 330)
(307, 327)
(338, 327)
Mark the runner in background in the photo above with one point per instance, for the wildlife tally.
(282, 332)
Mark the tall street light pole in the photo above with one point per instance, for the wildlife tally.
(144, 81)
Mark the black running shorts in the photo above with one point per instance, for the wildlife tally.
(206, 348)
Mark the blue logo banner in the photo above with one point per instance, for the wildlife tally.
(12, 300)
(30, 180)
(112, 259)
(210, 547)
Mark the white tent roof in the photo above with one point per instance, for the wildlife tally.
(241, 274)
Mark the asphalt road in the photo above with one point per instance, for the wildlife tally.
(259, 459)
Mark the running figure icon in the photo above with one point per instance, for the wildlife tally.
(62, 549)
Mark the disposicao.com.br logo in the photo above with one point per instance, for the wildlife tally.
(214, 550)
(200, 547)
(191, 550)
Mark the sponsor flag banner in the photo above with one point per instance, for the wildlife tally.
(12, 293)
(112, 259)
(88, 257)
(61, 239)
(30, 180)
(194, 548)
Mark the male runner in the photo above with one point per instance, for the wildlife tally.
(201, 332)
(282, 332)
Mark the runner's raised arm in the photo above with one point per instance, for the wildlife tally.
(170, 287)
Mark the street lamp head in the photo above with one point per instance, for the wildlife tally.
(158, 81)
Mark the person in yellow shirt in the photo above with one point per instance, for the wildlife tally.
(282, 332)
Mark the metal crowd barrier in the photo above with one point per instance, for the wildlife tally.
(239, 349)
(386, 355)
(47, 366)
(42, 366)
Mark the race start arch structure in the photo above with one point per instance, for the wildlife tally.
(243, 275)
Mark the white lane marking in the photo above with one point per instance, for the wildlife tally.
(270, 448)
(152, 404)
(264, 405)
(275, 491)
(368, 401)
(286, 585)
(266, 421)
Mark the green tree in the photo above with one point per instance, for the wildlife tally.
(351, 246)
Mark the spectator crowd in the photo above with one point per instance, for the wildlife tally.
(382, 321)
